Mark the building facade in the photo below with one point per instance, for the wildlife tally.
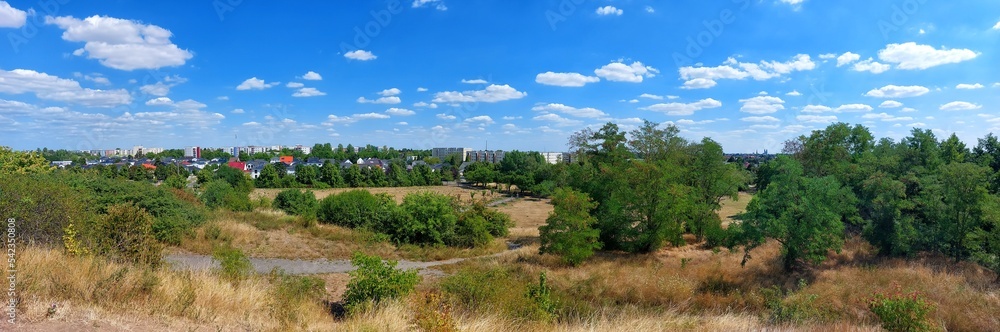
(488, 156)
(442, 153)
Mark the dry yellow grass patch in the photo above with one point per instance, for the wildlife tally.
(528, 214)
(730, 207)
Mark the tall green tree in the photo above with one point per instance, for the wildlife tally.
(569, 230)
(330, 174)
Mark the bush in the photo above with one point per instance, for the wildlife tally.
(358, 209)
(175, 181)
(497, 223)
(233, 263)
(545, 307)
(430, 219)
(220, 194)
(569, 231)
(296, 202)
(471, 231)
(291, 293)
(901, 312)
(125, 235)
(43, 207)
(374, 281)
(433, 314)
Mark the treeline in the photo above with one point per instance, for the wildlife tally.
(331, 175)
(919, 194)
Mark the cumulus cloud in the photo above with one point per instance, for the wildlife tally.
(312, 76)
(11, 17)
(437, 4)
(475, 81)
(294, 85)
(308, 92)
(890, 104)
(443, 116)
(762, 105)
(48, 87)
(620, 72)
(255, 83)
(360, 55)
(482, 119)
(557, 120)
(847, 58)
(895, 91)
(492, 94)
(886, 117)
(421, 89)
(565, 79)
(960, 106)
(651, 96)
(238, 111)
(969, 86)
(912, 56)
(839, 109)
(684, 108)
(588, 112)
(390, 92)
(817, 118)
(399, 111)
(382, 100)
(871, 66)
(609, 10)
(794, 93)
(760, 119)
(732, 69)
(157, 89)
(698, 83)
(122, 44)
(425, 104)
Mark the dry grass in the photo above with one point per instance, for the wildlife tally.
(94, 288)
(730, 208)
(396, 192)
(528, 214)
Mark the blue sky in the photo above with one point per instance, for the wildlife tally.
(518, 74)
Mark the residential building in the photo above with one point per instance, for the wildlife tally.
(192, 152)
(489, 156)
(552, 157)
(442, 153)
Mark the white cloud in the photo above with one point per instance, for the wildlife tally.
(557, 120)
(399, 111)
(382, 100)
(360, 55)
(493, 93)
(370, 116)
(890, 104)
(11, 17)
(682, 108)
(960, 106)
(161, 101)
(839, 109)
(48, 87)
(911, 55)
(238, 111)
(651, 96)
(421, 89)
(847, 58)
(620, 72)
(609, 10)
(698, 83)
(475, 81)
(827, 56)
(437, 4)
(761, 119)
(649, 9)
(222, 98)
(792, 2)
(483, 119)
(794, 93)
(312, 76)
(122, 44)
(157, 89)
(907, 110)
(871, 66)
(255, 83)
(443, 116)
(308, 92)
(817, 118)
(188, 104)
(969, 86)
(762, 105)
(588, 112)
(997, 26)
(294, 85)
(402, 123)
(895, 91)
(886, 117)
(565, 79)
(509, 118)
(389, 92)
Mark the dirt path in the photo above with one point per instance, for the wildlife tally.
(297, 266)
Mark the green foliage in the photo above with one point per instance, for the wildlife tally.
(545, 307)
(236, 178)
(497, 223)
(15, 162)
(569, 231)
(359, 209)
(806, 215)
(901, 312)
(175, 181)
(291, 292)
(471, 231)
(376, 281)
(429, 218)
(296, 202)
(220, 194)
(233, 263)
(269, 177)
(125, 234)
(433, 314)
(43, 207)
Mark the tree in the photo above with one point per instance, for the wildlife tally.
(953, 150)
(307, 175)
(354, 178)
(646, 207)
(711, 179)
(297, 203)
(569, 229)
(398, 176)
(430, 219)
(805, 215)
(966, 205)
(883, 201)
(269, 177)
(330, 174)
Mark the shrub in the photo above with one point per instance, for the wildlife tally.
(125, 235)
(430, 219)
(471, 231)
(433, 314)
(358, 209)
(569, 231)
(291, 292)
(43, 207)
(497, 223)
(220, 194)
(175, 181)
(297, 202)
(374, 281)
(233, 263)
(901, 312)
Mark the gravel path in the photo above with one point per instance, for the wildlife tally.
(297, 266)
